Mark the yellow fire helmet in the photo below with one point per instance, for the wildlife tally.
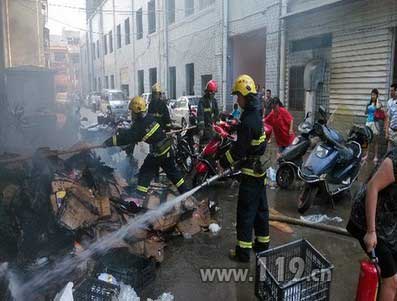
(137, 105)
(156, 88)
(244, 85)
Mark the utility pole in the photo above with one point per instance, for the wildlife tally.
(134, 71)
(224, 54)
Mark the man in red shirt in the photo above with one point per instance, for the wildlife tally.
(282, 123)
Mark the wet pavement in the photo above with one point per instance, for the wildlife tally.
(180, 272)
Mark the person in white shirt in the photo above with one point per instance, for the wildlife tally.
(391, 118)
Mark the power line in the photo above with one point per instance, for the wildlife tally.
(111, 11)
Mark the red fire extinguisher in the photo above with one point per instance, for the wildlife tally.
(368, 282)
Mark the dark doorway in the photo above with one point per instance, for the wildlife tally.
(296, 92)
(189, 68)
(204, 80)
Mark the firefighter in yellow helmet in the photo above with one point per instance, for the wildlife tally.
(246, 153)
(145, 128)
(158, 108)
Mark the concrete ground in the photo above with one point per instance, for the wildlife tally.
(180, 271)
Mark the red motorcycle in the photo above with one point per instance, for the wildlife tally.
(207, 161)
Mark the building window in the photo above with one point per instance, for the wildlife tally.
(95, 84)
(205, 3)
(189, 68)
(106, 82)
(119, 36)
(93, 51)
(141, 82)
(99, 84)
(170, 11)
(151, 8)
(61, 57)
(139, 24)
(126, 90)
(105, 44)
(97, 48)
(395, 56)
(110, 41)
(296, 94)
(189, 7)
(127, 31)
(172, 82)
(112, 82)
(323, 41)
(75, 58)
(204, 80)
(152, 76)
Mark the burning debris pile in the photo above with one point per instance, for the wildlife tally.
(56, 207)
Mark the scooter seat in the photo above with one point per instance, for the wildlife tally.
(355, 148)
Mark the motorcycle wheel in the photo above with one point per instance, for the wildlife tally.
(306, 198)
(285, 176)
(199, 179)
(185, 157)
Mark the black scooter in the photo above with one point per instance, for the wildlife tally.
(291, 158)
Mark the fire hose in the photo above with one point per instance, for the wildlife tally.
(50, 153)
(53, 153)
(298, 222)
(181, 130)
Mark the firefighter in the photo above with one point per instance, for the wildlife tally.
(246, 154)
(158, 108)
(207, 112)
(145, 128)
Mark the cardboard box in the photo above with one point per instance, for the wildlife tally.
(189, 226)
(154, 249)
(104, 205)
(166, 222)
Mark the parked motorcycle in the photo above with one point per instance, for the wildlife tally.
(291, 158)
(334, 164)
(184, 150)
(206, 165)
(207, 161)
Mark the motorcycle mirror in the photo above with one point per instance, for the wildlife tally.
(323, 112)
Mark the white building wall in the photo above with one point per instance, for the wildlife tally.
(361, 54)
(196, 39)
(124, 69)
(96, 33)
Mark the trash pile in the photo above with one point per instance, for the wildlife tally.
(51, 207)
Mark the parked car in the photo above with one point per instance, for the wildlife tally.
(170, 105)
(92, 100)
(147, 97)
(183, 108)
(114, 100)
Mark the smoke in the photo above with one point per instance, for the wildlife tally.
(24, 132)
(12, 280)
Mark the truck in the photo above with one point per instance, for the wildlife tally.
(29, 116)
